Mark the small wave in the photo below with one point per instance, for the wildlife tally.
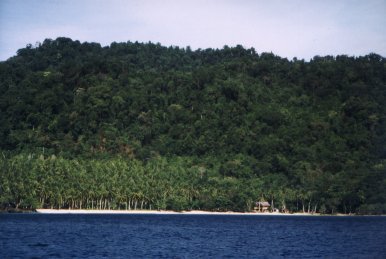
(39, 245)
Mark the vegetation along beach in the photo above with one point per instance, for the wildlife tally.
(143, 127)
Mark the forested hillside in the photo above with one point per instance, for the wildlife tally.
(136, 125)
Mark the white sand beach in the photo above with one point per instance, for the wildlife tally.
(167, 212)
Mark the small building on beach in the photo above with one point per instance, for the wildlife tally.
(262, 206)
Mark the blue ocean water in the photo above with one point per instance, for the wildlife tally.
(190, 236)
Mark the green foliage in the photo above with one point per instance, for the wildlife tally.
(207, 129)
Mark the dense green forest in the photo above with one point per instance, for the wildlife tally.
(139, 125)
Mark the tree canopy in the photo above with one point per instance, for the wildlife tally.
(144, 125)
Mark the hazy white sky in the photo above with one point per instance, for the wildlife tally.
(289, 28)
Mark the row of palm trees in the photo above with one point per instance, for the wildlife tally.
(30, 181)
(54, 182)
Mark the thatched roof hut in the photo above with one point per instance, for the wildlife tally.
(262, 206)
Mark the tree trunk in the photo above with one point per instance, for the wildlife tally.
(284, 207)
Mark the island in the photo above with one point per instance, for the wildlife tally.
(141, 127)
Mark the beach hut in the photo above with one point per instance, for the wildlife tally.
(262, 206)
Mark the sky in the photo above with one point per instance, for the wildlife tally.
(288, 28)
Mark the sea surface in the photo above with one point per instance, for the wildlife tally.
(190, 236)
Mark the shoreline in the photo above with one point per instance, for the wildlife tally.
(168, 212)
